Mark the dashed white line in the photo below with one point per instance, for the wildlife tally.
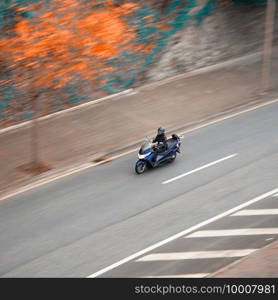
(196, 255)
(200, 168)
(233, 232)
(256, 212)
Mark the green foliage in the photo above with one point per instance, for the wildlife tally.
(74, 97)
(205, 11)
(8, 11)
(6, 14)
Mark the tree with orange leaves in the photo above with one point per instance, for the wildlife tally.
(63, 43)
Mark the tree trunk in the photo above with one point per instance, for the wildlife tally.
(267, 49)
(34, 134)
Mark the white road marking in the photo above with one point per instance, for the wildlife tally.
(194, 275)
(276, 195)
(200, 168)
(182, 233)
(256, 212)
(233, 232)
(195, 255)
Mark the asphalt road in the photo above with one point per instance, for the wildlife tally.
(82, 223)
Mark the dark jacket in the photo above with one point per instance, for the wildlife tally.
(160, 138)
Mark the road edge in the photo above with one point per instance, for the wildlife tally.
(239, 261)
(103, 158)
(146, 86)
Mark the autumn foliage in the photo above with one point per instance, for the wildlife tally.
(57, 53)
(63, 43)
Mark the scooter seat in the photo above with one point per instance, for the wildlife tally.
(171, 142)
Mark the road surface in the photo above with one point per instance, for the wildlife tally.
(80, 224)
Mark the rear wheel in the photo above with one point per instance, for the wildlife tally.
(140, 167)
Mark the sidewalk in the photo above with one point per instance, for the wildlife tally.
(260, 264)
(80, 136)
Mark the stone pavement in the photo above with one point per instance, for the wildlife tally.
(263, 263)
(79, 136)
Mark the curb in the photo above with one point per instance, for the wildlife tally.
(132, 91)
(188, 127)
(237, 262)
(105, 157)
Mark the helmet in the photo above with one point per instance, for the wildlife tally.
(160, 130)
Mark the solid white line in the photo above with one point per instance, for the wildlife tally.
(195, 255)
(276, 195)
(233, 232)
(200, 168)
(182, 233)
(257, 212)
(194, 275)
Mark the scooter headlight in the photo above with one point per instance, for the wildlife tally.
(142, 156)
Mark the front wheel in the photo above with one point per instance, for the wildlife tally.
(140, 167)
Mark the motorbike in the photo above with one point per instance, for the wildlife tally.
(150, 155)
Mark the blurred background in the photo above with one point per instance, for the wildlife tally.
(83, 82)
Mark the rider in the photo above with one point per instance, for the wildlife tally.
(161, 140)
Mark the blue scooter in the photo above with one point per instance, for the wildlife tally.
(150, 156)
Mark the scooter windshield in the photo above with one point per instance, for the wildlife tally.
(146, 147)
